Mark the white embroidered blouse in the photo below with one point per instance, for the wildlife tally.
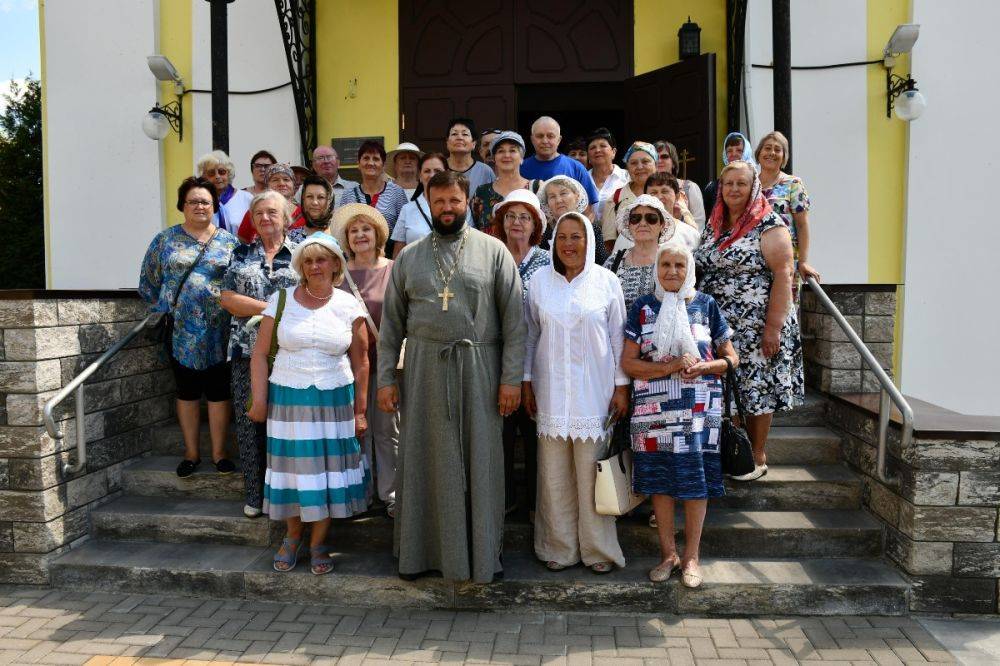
(313, 344)
(574, 348)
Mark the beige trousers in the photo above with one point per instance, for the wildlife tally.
(567, 528)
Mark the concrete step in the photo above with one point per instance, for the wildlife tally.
(785, 488)
(802, 445)
(182, 520)
(727, 532)
(731, 587)
(795, 487)
(810, 413)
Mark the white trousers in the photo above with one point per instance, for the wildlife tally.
(567, 528)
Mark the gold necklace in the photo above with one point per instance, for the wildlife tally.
(319, 298)
(446, 294)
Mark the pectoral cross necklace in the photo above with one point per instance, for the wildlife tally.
(446, 294)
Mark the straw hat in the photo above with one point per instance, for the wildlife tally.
(405, 147)
(347, 212)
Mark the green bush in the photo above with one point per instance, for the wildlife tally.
(22, 248)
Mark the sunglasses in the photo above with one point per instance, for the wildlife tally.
(491, 131)
(651, 218)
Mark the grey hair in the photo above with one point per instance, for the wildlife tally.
(286, 207)
(216, 158)
(335, 153)
(546, 119)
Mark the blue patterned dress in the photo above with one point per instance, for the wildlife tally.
(201, 326)
(675, 422)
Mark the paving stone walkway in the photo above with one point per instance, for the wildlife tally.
(44, 626)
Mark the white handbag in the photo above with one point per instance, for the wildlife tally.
(613, 494)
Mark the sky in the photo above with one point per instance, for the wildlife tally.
(19, 52)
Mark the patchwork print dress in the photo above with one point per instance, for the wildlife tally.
(675, 422)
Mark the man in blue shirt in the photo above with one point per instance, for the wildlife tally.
(548, 162)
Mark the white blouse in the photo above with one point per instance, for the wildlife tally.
(313, 344)
(574, 349)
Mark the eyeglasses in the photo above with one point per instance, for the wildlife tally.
(650, 218)
(260, 166)
(323, 159)
(217, 172)
(523, 219)
(198, 203)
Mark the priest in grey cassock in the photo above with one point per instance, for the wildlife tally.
(455, 296)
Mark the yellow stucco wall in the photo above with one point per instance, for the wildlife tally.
(887, 149)
(178, 156)
(656, 44)
(362, 47)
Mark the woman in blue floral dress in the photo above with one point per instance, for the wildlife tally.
(257, 270)
(745, 263)
(675, 341)
(201, 326)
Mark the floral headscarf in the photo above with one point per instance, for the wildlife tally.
(757, 209)
(582, 200)
(669, 223)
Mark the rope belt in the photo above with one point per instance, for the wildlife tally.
(451, 354)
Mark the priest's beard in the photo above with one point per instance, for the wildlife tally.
(451, 227)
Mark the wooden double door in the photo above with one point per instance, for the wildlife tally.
(476, 59)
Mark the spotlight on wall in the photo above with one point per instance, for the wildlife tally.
(158, 122)
(911, 102)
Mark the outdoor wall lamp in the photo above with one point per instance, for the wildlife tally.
(161, 119)
(911, 102)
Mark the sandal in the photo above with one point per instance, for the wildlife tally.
(287, 562)
(320, 561)
(691, 575)
(664, 570)
(602, 567)
(552, 565)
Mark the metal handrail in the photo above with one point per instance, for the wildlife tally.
(889, 392)
(151, 321)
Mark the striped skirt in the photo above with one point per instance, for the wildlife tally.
(315, 469)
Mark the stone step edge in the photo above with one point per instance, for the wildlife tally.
(93, 566)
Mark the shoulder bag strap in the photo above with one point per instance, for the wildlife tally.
(364, 306)
(187, 273)
(619, 256)
(273, 351)
(732, 390)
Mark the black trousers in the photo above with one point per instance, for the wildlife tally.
(519, 421)
(251, 438)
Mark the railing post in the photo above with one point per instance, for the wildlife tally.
(884, 411)
(81, 436)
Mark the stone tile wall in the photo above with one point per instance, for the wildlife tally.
(832, 364)
(44, 343)
(941, 520)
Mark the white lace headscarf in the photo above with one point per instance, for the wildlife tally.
(672, 331)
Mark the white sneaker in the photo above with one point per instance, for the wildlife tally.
(251, 512)
(758, 471)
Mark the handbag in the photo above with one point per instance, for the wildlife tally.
(165, 330)
(734, 443)
(613, 494)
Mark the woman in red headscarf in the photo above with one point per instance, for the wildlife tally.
(745, 263)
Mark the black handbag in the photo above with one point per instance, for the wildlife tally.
(734, 443)
(165, 330)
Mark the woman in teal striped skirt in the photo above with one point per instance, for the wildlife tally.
(314, 403)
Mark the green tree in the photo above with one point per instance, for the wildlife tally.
(22, 250)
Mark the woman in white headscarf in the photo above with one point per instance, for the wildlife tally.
(676, 340)
(572, 384)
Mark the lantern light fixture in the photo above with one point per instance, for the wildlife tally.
(158, 122)
(689, 40)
